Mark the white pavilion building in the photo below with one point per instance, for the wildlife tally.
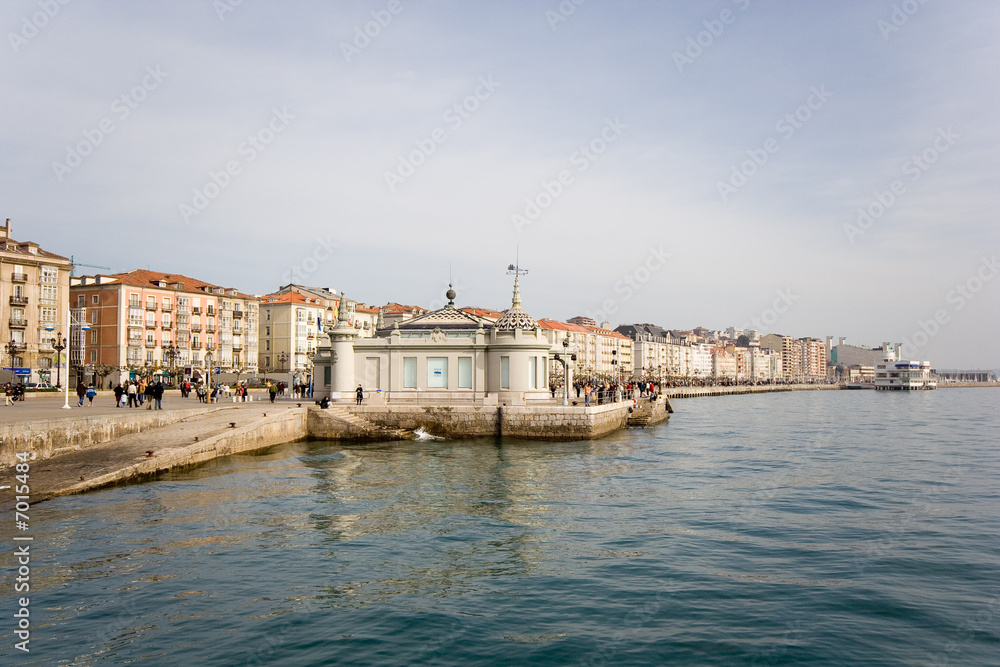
(445, 356)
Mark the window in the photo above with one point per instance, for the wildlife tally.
(267, 345)
(505, 372)
(93, 335)
(532, 372)
(409, 372)
(50, 274)
(50, 293)
(81, 301)
(45, 362)
(267, 331)
(166, 319)
(465, 372)
(93, 356)
(149, 357)
(149, 339)
(437, 372)
(267, 314)
(133, 300)
(267, 363)
(94, 300)
(327, 372)
(47, 314)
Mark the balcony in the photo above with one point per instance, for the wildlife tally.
(150, 325)
(18, 323)
(237, 313)
(150, 343)
(196, 310)
(150, 306)
(19, 301)
(210, 328)
(19, 277)
(165, 325)
(167, 308)
(195, 327)
(237, 347)
(209, 346)
(134, 342)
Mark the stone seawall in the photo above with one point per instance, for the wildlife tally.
(549, 422)
(691, 392)
(265, 431)
(48, 437)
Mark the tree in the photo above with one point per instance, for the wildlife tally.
(743, 341)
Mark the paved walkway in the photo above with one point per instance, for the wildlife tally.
(48, 405)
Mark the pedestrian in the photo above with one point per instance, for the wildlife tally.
(158, 396)
(272, 389)
(586, 394)
(148, 391)
(91, 394)
(81, 391)
(8, 394)
(361, 394)
(552, 388)
(133, 395)
(119, 392)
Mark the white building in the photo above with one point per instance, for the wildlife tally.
(442, 356)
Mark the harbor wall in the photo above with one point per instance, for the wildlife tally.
(549, 422)
(691, 392)
(276, 429)
(48, 437)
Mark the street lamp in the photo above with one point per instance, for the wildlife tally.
(12, 349)
(282, 359)
(172, 351)
(59, 345)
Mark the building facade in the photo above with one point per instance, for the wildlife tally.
(152, 323)
(34, 291)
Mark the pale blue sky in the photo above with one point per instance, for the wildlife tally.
(679, 133)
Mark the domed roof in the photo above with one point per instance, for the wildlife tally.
(515, 317)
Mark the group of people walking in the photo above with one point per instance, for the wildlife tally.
(13, 392)
(599, 393)
(131, 394)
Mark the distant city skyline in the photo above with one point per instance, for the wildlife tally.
(823, 169)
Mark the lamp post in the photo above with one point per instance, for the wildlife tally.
(12, 349)
(172, 351)
(282, 359)
(59, 345)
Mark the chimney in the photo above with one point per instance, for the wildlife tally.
(6, 229)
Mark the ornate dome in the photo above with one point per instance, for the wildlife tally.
(515, 317)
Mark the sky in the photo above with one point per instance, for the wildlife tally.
(803, 168)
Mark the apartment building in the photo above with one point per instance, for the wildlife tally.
(152, 323)
(34, 291)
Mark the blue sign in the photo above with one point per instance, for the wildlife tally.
(218, 370)
(19, 371)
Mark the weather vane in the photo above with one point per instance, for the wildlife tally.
(515, 269)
